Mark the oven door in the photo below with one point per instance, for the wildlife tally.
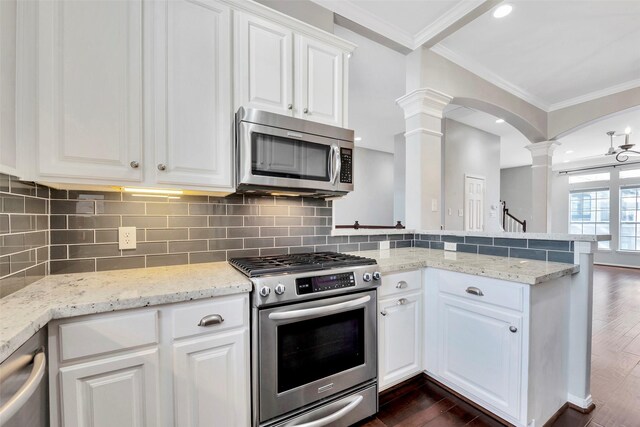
(274, 157)
(313, 350)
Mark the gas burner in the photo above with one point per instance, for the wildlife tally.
(295, 263)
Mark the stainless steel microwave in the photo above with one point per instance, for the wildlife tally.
(281, 154)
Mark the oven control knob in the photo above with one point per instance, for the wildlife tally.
(376, 275)
(265, 291)
(280, 289)
(366, 277)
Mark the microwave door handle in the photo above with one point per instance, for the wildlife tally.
(337, 165)
(330, 164)
(296, 314)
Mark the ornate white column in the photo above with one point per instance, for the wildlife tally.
(423, 110)
(541, 175)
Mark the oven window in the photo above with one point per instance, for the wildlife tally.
(313, 349)
(289, 158)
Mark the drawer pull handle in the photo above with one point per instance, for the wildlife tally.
(513, 329)
(402, 301)
(383, 312)
(474, 291)
(402, 284)
(212, 319)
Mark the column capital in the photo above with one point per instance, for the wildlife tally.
(544, 148)
(426, 101)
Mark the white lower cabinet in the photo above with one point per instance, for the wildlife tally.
(129, 375)
(399, 328)
(113, 391)
(500, 344)
(479, 352)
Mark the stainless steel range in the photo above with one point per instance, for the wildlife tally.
(313, 339)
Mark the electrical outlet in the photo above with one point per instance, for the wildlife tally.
(460, 212)
(385, 245)
(126, 238)
(450, 246)
(449, 211)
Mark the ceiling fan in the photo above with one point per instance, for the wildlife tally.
(622, 150)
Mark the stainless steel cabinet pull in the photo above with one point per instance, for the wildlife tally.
(27, 389)
(402, 285)
(134, 164)
(306, 111)
(290, 107)
(295, 135)
(353, 402)
(513, 329)
(212, 319)
(162, 167)
(402, 301)
(474, 291)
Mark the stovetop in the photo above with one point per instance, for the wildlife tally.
(296, 263)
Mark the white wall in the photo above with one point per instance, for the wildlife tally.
(468, 150)
(399, 176)
(376, 80)
(371, 202)
(515, 189)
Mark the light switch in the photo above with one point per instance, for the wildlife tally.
(460, 212)
(434, 205)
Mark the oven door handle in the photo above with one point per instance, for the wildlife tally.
(295, 314)
(336, 415)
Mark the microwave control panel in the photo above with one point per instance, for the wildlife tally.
(310, 285)
(346, 171)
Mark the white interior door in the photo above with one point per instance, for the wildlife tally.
(473, 203)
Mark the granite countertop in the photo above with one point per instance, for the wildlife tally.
(26, 311)
(512, 269)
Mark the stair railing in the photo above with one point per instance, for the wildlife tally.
(510, 223)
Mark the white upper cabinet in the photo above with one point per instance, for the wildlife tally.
(320, 69)
(8, 142)
(290, 73)
(264, 55)
(193, 117)
(90, 89)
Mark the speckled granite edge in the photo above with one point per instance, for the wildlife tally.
(25, 312)
(511, 269)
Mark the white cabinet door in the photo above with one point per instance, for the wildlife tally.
(211, 380)
(115, 391)
(193, 117)
(319, 81)
(264, 65)
(399, 338)
(90, 89)
(479, 353)
(8, 144)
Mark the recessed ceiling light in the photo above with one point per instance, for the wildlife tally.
(568, 152)
(502, 11)
(500, 121)
(565, 161)
(357, 138)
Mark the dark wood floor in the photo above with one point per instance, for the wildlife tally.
(615, 371)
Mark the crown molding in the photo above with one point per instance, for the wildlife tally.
(595, 95)
(490, 76)
(450, 17)
(365, 18)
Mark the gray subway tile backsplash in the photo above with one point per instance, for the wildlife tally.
(82, 227)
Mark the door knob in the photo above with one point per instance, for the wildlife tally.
(134, 164)
(162, 167)
(513, 329)
(290, 107)
(306, 111)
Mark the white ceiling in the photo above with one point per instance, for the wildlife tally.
(586, 145)
(512, 142)
(550, 53)
(591, 142)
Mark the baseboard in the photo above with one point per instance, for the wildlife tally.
(584, 405)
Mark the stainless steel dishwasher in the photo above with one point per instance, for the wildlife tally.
(24, 389)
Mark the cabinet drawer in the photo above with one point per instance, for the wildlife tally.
(233, 311)
(405, 281)
(107, 333)
(493, 291)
